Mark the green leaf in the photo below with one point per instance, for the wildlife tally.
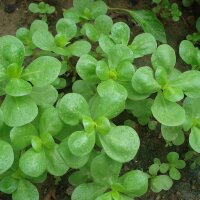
(18, 87)
(120, 33)
(149, 23)
(161, 182)
(104, 104)
(42, 71)
(170, 133)
(188, 52)
(33, 163)
(72, 14)
(38, 25)
(50, 115)
(8, 185)
(86, 68)
(121, 143)
(173, 94)
(43, 40)
(194, 139)
(98, 8)
(143, 81)
(165, 57)
(6, 156)
(21, 136)
(33, 7)
(164, 167)
(18, 111)
(88, 191)
(143, 44)
(174, 174)
(78, 177)
(25, 190)
(153, 169)
(81, 143)
(105, 170)
(166, 112)
(72, 108)
(189, 83)
(103, 24)
(106, 196)
(44, 96)
(102, 125)
(79, 48)
(71, 160)
(198, 24)
(102, 70)
(135, 183)
(90, 31)
(11, 51)
(66, 27)
(172, 157)
(105, 43)
(55, 163)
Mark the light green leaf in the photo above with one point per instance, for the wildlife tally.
(25, 190)
(173, 94)
(81, 143)
(72, 108)
(172, 157)
(44, 96)
(105, 43)
(86, 68)
(38, 25)
(102, 70)
(121, 143)
(90, 31)
(71, 14)
(18, 87)
(42, 71)
(88, 191)
(104, 170)
(33, 163)
(103, 24)
(161, 182)
(120, 33)
(135, 183)
(21, 136)
(11, 51)
(79, 48)
(143, 44)
(55, 163)
(174, 174)
(98, 8)
(170, 133)
(43, 40)
(18, 111)
(106, 196)
(33, 7)
(8, 185)
(149, 23)
(6, 156)
(194, 139)
(71, 160)
(164, 56)
(166, 112)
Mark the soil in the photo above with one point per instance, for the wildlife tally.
(152, 145)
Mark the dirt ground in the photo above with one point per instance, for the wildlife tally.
(188, 188)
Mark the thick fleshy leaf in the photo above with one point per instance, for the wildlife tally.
(55, 163)
(98, 8)
(121, 143)
(21, 136)
(79, 48)
(161, 182)
(143, 81)
(105, 43)
(42, 71)
(164, 56)
(88, 191)
(6, 156)
(44, 96)
(90, 31)
(174, 174)
(106, 196)
(25, 190)
(72, 14)
(173, 94)
(66, 27)
(104, 104)
(103, 24)
(81, 143)
(98, 172)
(71, 160)
(8, 184)
(166, 112)
(149, 23)
(18, 111)
(44, 40)
(33, 163)
(11, 51)
(38, 25)
(194, 139)
(103, 72)
(18, 87)
(50, 122)
(72, 108)
(170, 133)
(120, 33)
(135, 183)
(86, 68)
(143, 44)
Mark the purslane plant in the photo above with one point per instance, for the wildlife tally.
(45, 130)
